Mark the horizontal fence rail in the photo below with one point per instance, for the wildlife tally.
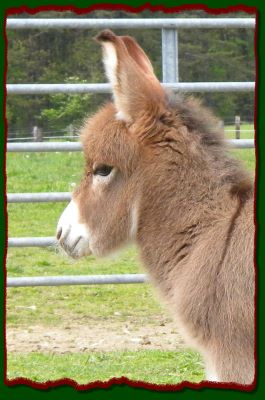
(73, 146)
(32, 242)
(170, 78)
(76, 280)
(44, 147)
(31, 138)
(159, 23)
(241, 143)
(46, 88)
(38, 197)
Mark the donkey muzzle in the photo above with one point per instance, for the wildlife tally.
(72, 235)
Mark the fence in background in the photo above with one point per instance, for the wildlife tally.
(169, 27)
(11, 137)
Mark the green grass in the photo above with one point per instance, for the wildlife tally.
(246, 155)
(160, 367)
(56, 306)
(230, 131)
(65, 304)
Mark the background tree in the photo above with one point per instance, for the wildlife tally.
(72, 56)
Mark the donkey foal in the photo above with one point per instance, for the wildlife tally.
(158, 173)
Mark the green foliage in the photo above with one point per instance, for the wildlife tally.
(71, 55)
(64, 109)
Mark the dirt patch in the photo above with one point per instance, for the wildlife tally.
(102, 336)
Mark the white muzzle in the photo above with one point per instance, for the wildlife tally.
(73, 236)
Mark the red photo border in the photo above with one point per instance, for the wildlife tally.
(123, 380)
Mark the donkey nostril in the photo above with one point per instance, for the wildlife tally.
(59, 234)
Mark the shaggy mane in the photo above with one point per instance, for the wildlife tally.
(202, 123)
(198, 119)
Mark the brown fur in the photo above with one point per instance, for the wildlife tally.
(194, 207)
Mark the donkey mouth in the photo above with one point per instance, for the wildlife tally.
(75, 251)
(73, 236)
(74, 247)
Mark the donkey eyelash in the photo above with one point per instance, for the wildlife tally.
(102, 170)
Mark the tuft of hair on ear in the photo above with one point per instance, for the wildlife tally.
(105, 36)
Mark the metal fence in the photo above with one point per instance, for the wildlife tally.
(169, 27)
(80, 88)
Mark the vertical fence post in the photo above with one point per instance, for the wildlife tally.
(237, 126)
(170, 55)
(37, 134)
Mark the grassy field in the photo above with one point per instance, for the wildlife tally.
(246, 131)
(31, 308)
(159, 367)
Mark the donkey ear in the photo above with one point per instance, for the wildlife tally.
(135, 86)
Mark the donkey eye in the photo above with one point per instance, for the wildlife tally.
(102, 170)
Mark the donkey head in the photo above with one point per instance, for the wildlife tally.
(120, 152)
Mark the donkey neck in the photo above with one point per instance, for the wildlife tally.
(175, 213)
(176, 199)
